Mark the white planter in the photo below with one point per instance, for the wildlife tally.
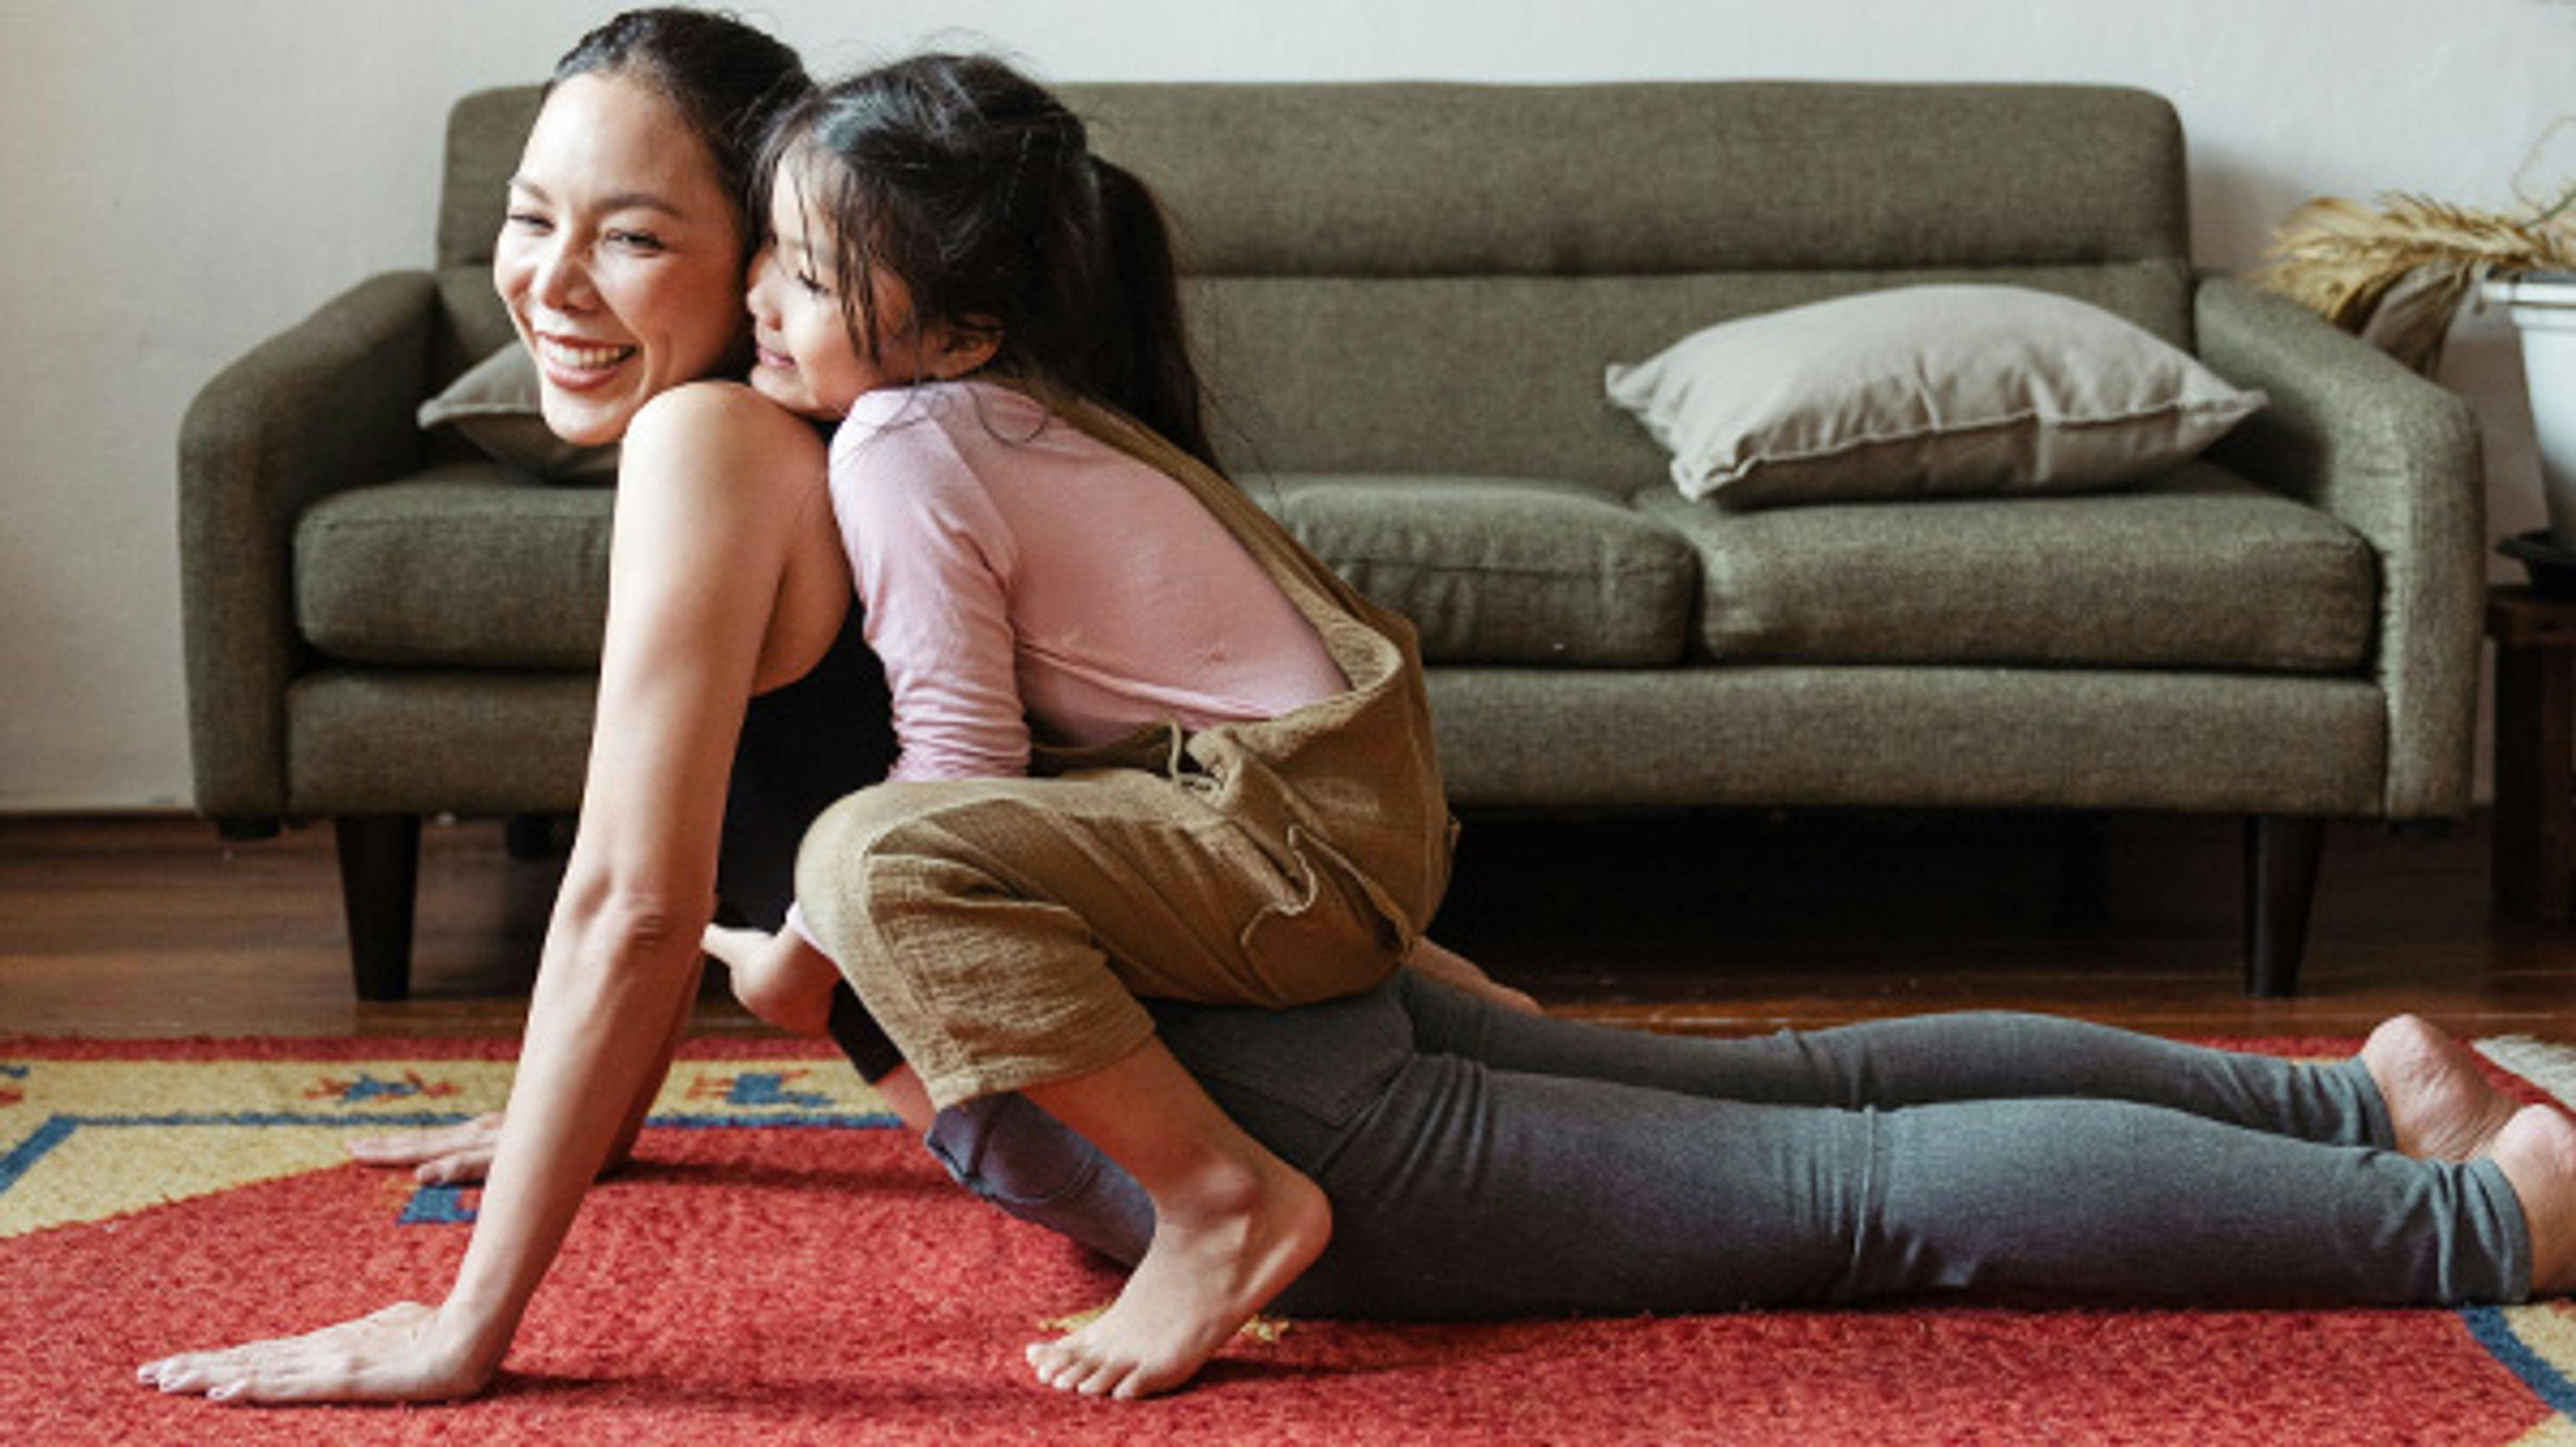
(2544, 312)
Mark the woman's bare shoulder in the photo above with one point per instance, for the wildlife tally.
(724, 417)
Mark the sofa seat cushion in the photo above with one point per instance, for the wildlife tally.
(472, 564)
(1500, 570)
(2197, 568)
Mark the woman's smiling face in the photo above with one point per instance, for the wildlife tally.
(622, 259)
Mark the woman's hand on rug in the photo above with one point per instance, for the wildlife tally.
(404, 1353)
(446, 1155)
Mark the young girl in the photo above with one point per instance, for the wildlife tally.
(1239, 801)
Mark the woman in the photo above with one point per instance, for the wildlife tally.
(1617, 1172)
(622, 265)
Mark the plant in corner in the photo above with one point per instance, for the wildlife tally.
(2396, 276)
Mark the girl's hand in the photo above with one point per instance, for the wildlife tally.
(404, 1353)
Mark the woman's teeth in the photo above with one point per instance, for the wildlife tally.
(583, 359)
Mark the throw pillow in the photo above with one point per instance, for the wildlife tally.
(495, 404)
(1924, 391)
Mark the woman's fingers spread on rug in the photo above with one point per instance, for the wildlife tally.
(452, 1170)
(190, 1371)
(397, 1354)
(443, 1155)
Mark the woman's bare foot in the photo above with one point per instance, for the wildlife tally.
(2536, 1150)
(2441, 1105)
(1218, 1256)
(779, 977)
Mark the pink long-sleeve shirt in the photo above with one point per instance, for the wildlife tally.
(1023, 579)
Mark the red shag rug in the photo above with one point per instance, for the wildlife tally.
(783, 1268)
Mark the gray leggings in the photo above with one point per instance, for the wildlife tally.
(1485, 1163)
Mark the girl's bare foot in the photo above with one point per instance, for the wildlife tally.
(1218, 1256)
(2536, 1150)
(2441, 1105)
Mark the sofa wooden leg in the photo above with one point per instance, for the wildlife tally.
(2084, 869)
(2281, 854)
(379, 874)
(530, 838)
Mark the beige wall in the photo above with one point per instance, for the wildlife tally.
(180, 178)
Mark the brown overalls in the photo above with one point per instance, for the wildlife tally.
(1000, 929)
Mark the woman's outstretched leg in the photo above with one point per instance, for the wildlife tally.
(2412, 1088)
(1610, 1198)
(2151, 1204)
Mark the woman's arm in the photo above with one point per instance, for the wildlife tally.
(721, 520)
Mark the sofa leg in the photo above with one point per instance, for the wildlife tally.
(379, 874)
(2084, 869)
(530, 838)
(2281, 853)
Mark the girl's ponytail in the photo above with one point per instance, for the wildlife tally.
(1144, 368)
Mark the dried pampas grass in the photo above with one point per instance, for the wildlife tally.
(2395, 276)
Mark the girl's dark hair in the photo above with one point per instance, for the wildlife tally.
(728, 80)
(976, 189)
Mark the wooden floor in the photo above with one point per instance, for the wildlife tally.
(151, 927)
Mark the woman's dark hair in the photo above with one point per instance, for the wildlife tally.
(976, 189)
(728, 80)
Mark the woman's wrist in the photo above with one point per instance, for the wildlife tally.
(471, 1339)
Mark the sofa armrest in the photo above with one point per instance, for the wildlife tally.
(2395, 458)
(325, 405)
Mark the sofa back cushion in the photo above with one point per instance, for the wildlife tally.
(1421, 277)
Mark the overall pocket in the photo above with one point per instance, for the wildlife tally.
(1337, 935)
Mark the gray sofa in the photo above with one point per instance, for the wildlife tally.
(1405, 296)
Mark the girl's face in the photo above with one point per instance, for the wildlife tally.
(620, 259)
(805, 358)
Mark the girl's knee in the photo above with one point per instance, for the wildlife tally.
(835, 865)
